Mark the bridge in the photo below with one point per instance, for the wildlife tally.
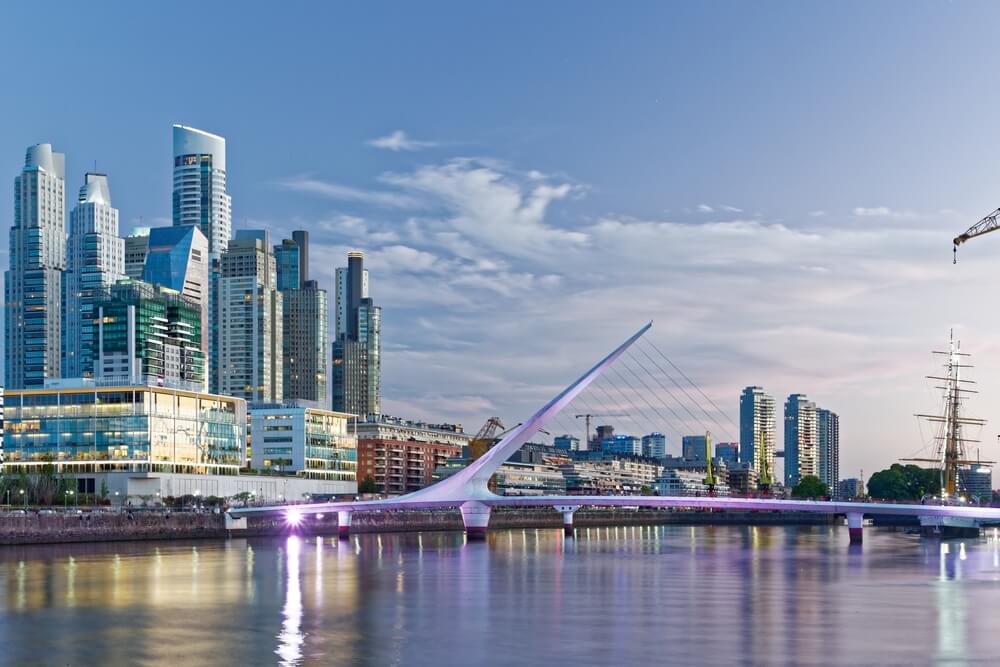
(467, 490)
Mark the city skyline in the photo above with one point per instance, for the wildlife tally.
(523, 216)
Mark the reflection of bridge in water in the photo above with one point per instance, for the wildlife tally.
(467, 490)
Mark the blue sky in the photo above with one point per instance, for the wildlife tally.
(775, 184)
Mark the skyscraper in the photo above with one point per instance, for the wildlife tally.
(801, 450)
(757, 433)
(33, 283)
(306, 321)
(357, 350)
(136, 249)
(248, 361)
(177, 257)
(200, 196)
(828, 440)
(95, 259)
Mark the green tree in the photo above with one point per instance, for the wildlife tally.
(368, 485)
(810, 486)
(899, 482)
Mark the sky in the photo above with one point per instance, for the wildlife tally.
(774, 184)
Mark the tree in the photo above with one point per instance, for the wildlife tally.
(368, 485)
(899, 482)
(810, 486)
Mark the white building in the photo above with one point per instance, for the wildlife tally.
(248, 321)
(200, 178)
(95, 259)
(310, 442)
(678, 482)
(801, 439)
(757, 432)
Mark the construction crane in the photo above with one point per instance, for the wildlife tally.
(587, 417)
(485, 438)
(990, 223)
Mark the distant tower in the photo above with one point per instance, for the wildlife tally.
(757, 433)
(200, 196)
(801, 439)
(828, 441)
(357, 350)
(95, 259)
(306, 321)
(33, 283)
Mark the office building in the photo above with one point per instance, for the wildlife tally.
(306, 441)
(401, 456)
(248, 358)
(95, 259)
(851, 487)
(566, 442)
(342, 298)
(801, 440)
(200, 197)
(757, 433)
(693, 448)
(148, 334)
(654, 445)
(828, 444)
(305, 322)
(357, 370)
(177, 258)
(976, 482)
(626, 445)
(33, 281)
(681, 482)
(728, 452)
(136, 248)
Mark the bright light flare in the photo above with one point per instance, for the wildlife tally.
(293, 517)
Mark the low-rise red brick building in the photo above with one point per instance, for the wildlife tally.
(401, 456)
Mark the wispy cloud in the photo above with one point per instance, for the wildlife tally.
(347, 193)
(705, 208)
(399, 141)
(882, 212)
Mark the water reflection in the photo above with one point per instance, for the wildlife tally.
(290, 638)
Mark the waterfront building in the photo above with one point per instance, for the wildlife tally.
(757, 433)
(680, 482)
(401, 456)
(177, 257)
(654, 445)
(33, 281)
(95, 259)
(801, 439)
(305, 322)
(307, 441)
(357, 369)
(828, 447)
(851, 487)
(976, 482)
(148, 334)
(610, 475)
(529, 479)
(248, 359)
(742, 479)
(200, 197)
(567, 442)
(136, 248)
(693, 448)
(728, 452)
(628, 445)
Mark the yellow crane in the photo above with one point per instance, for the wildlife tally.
(485, 438)
(990, 223)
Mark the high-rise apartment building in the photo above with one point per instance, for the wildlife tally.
(177, 257)
(200, 196)
(828, 442)
(248, 358)
(801, 441)
(306, 322)
(33, 281)
(357, 350)
(341, 300)
(757, 433)
(95, 259)
(136, 248)
(148, 335)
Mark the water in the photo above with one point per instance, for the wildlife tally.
(609, 596)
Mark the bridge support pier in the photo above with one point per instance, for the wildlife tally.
(567, 513)
(855, 521)
(476, 518)
(344, 524)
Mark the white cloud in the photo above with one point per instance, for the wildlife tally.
(730, 209)
(347, 193)
(881, 212)
(399, 141)
(705, 208)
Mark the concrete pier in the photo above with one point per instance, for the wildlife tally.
(476, 518)
(567, 514)
(855, 524)
(344, 524)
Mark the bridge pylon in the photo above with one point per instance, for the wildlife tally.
(476, 518)
(567, 513)
(855, 524)
(344, 524)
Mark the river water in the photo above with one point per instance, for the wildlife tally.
(611, 596)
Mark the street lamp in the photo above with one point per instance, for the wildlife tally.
(116, 500)
(21, 491)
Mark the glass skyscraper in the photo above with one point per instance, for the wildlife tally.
(200, 196)
(177, 257)
(757, 433)
(357, 368)
(306, 320)
(95, 259)
(33, 281)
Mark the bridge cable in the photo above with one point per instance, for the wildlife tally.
(635, 406)
(697, 420)
(658, 412)
(690, 381)
(632, 408)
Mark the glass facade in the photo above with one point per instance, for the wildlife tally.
(133, 429)
(309, 442)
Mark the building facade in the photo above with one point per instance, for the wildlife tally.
(305, 311)
(95, 259)
(801, 439)
(357, 368)
(654, 445)
(148, 334)
(200, 197)
(567, 442)
(136, 248)
(33, 281)
(401, 456)
(728, 452)
(693, 448)
(828, 443)
(177, 258)
(306, 441)
(852, 487)
(248, 358)
(757, 433)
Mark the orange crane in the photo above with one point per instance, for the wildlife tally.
(990, 223)
(485, 438)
